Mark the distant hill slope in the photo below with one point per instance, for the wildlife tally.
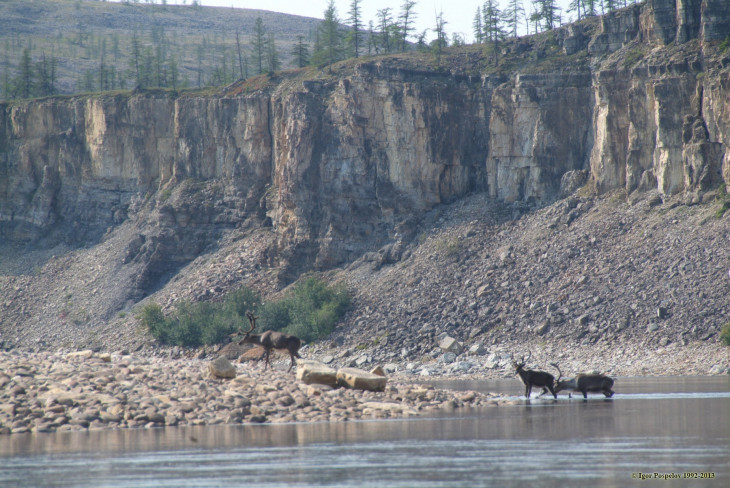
(86, 36)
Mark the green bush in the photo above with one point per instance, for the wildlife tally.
(633, 57)
(723, 199)
(195, 324)
(725, 44)
(240, 301)
(310, 311)
(155, 321)
(725, 334)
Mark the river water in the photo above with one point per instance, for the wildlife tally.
(668, 426)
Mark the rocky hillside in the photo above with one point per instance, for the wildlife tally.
(93, 40)
(570, 196)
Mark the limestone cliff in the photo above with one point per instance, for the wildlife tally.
(342, 165)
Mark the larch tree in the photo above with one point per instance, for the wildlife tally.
(300, 52)
(258, 44)
(354, 37)
(513, 15)
(407, 17)
(330, 48)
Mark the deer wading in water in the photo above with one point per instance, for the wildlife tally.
(531, 377)
(593, 382)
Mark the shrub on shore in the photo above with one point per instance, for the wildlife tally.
(725, 334)
(309, 311)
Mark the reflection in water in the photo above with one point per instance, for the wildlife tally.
(657, 426)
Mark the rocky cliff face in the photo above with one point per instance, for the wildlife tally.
(344, 165)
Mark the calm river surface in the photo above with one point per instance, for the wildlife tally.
(652, 425)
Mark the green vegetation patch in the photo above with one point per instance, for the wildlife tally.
(195, 324)
(725, 334)
(310, 311)
(725, 44)
(723, 199)
(633, 56)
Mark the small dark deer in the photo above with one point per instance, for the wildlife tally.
(271, 340)
(584, 383)
(531, 377)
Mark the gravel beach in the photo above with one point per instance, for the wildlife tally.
(86, 390)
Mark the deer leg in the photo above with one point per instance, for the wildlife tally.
(585, 394)
(555, 395)
(544, 390)
(266, 358)
(292, 362)
(528, 389)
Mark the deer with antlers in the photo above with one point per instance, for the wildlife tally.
(271, 340)
(584, 383)
(531, 377)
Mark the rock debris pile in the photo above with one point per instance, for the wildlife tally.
(56, 392)
(635, 286)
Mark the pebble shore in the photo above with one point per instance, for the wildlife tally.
(57, 392)
(86, 390)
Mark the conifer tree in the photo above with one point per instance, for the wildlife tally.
(300, 52)
(272, 55)
(575, 6)
(478, 27)
(406, 17)
(610, 5)
(174, 73)
(547, 13)
(354, 37)
(240, 55)
(441, 40)
(46, 75)
(493, 30)
(259, 44)
(25, 75)
(385, 21)
(590, 7)
(135, 58)
(329, 50)
(372, 41)
(513, 14)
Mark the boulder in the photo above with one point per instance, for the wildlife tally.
(221, 368)
(483, 290)
(231, 351)
(360, 380)
(477, 349)
(447, 358)
(390, 367)
(86, 354)
(378, 370)
(314, 372)
(105, 356)
(449, 344)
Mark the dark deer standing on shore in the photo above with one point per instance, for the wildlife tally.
(595, 383)
(531, 377)
(271, 340)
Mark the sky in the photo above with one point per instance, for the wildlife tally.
(458, 14)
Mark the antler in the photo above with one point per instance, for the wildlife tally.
(560, 373)
(252, 319)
